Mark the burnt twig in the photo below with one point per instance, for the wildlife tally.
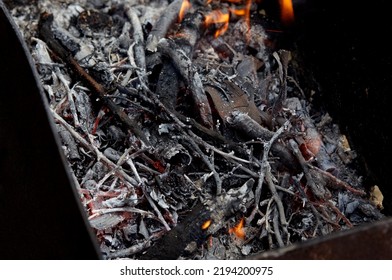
(318, 190)
(140, 57)
(168, 18)
(264, 165)
(282, 58)
(334, 182)
(252, 129)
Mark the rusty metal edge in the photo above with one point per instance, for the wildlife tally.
(371, 241)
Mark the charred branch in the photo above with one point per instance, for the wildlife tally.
(253, 130)
(161, 28)
(138, 38)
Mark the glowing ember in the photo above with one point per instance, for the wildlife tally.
(287, 11)
(206, 224)
(218, 17)
(238, 230)
(240, 8)
(185, 6)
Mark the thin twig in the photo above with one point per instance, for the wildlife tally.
(167, 19)
(264, 163)
(140, 57)
(207, 161)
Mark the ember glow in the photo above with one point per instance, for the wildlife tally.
(238, 230)
(206, 225)
(220, 18)
(240, 8)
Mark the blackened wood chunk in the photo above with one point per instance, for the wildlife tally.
(93, 20)
(172, 245)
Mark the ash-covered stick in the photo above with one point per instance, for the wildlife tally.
(70, 94)
(162, 26)
(264, 165)
(305, 199)
(140, 56)
(180, 50)
(279, 208)
(318, 190)
(147, 195)
(192, 27)
(335, 182)
(283, 59)
(250, 127)
(243, 122)
(208, 162)
(275, 225)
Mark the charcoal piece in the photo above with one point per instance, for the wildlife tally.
(168, 86)
(177, 154)
(173, 244)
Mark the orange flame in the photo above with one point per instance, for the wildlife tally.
(185, 6)
(243, 12)
(287, 11)
(241, 9)
(238, 230)
(218, 17)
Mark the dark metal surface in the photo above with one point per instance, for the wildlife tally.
(40, 213)
(367, 242)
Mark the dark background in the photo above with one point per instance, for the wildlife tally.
(346, 46)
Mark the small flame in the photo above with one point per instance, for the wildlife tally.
(287, 11)
(185, 6)
(206, 224)
(238, 230)
(243, 12)
(218, 17)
